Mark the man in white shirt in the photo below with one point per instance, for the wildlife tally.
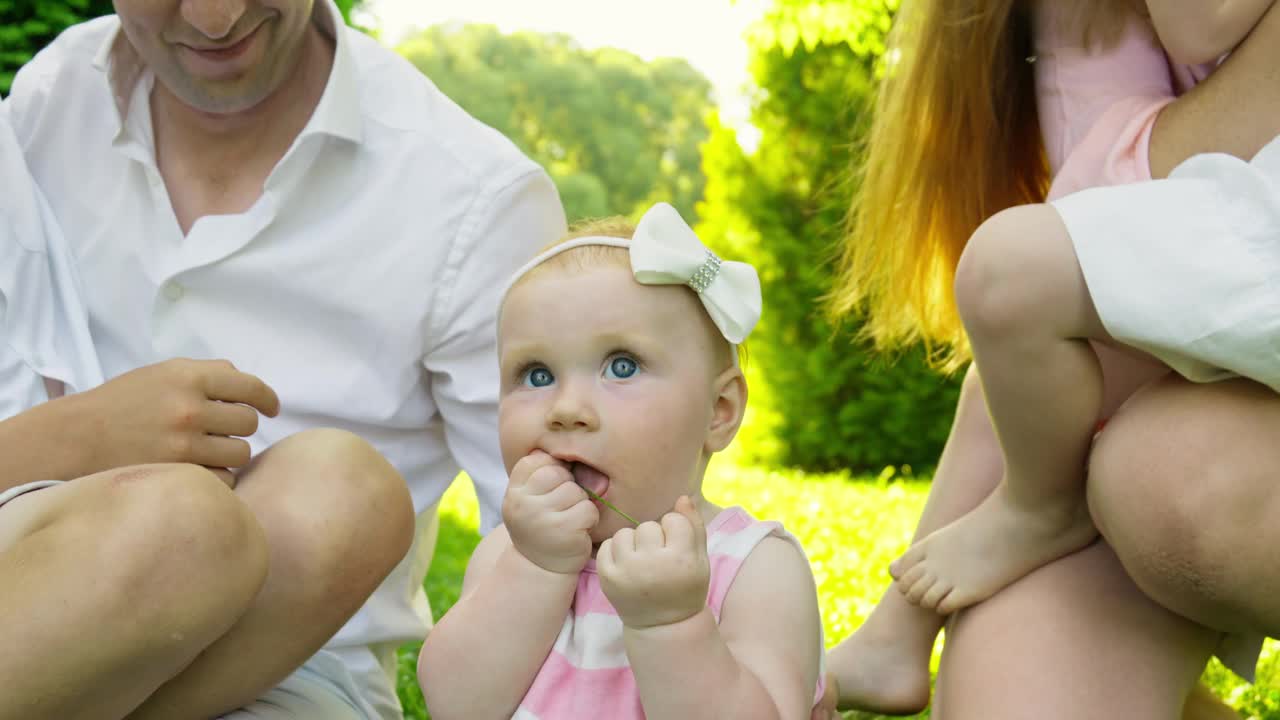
(250, 180)
(125, 585)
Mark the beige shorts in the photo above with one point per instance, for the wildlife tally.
(15, 491)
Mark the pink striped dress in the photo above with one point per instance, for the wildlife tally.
(587, 674)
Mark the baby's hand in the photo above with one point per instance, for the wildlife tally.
(657, 574)
(547, 515)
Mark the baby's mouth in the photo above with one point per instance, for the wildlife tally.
(589, 478)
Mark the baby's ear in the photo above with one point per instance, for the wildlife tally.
(730, 402)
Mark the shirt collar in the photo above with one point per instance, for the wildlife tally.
(337, 114)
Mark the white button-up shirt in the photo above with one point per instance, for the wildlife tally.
(362, 285)
(44, 333)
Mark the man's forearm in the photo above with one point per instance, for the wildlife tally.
(1236, 110)
(47, 442)
(667, 659)
(480, 659)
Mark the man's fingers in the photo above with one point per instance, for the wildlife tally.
(222, 382)
(219, 451)
(225, 476)
(231, 419)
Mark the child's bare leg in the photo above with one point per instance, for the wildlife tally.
(1029, 317)
(884, 666)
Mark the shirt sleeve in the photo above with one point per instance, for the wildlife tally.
(497, 238)
(1098, 106)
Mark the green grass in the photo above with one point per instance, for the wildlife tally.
(851, 530)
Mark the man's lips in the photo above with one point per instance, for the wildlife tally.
(225, 52)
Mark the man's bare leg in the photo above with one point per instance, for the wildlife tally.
(338, 518)
(112, 583)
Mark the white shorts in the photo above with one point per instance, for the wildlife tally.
(17, 490)
(1188, 268)
(322, 689)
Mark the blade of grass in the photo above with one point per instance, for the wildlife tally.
(609, 505)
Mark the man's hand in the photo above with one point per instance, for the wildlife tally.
(188, 411)
(658, 573)
(548, 516)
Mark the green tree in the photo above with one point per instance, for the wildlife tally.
(28, 25)
(616, 133)
(828, 402)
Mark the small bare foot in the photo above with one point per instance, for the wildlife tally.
(971, 559)
(883, 667)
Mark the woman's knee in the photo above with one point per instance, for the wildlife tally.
(1003, 271)
(1171, 492)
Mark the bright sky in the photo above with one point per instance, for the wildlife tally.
(707, 33)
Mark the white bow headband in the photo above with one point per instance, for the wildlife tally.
(665, 251)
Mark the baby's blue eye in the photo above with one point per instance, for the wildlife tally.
(538, 377)
(621, 368)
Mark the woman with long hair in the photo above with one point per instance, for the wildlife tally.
(983, 104)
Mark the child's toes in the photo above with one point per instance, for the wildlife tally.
(936, 595)
(909, 579)
(908, 560)
(921, 588)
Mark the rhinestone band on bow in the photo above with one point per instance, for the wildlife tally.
(706, 274)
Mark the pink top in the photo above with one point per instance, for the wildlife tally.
(587, 674)
(1097, 107)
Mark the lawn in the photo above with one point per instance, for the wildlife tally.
(851, 531)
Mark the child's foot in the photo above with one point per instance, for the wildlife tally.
(883, 667)
(971, 559)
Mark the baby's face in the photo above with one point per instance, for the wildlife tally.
(612, 376)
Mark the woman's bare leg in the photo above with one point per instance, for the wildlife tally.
(1074, 639)
(112, 583)
(884, 665)
(1185, 484)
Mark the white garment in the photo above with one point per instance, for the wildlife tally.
(44, 332)
(361, 286)
(1188, 268)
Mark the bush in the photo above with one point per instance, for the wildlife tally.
(828, 403)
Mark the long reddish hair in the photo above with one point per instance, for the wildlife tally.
(954, 138)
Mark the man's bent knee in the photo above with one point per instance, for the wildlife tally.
(177, 535)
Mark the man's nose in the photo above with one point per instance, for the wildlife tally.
(213, 18)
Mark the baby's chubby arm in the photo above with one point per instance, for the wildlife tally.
(1201, 31)
(480, 659)
(759, 663)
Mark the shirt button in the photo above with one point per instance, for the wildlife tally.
(173, 291)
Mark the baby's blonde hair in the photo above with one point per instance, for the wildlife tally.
(586, 256)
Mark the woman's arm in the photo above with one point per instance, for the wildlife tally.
(1199, 31)
(1236, 110)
